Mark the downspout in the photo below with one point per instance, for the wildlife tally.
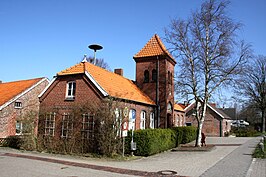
(221, 127)
(157, 93)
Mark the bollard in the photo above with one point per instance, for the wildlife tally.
(261, 145)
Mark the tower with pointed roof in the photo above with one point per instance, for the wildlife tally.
(154, 76)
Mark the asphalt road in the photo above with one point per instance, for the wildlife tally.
(231, 157)
(22, 167)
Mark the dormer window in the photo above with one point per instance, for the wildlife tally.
(71, 90)
(18, 104)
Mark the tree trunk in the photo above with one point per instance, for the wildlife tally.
(199, 130)
(263, 121)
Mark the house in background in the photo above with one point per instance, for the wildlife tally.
(216, 122)
(17, 99)
(179, 115)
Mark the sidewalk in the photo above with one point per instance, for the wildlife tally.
(177, 163)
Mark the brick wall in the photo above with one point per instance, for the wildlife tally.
(9, 115)
(211, 125)
(53, 100)
(166, 86)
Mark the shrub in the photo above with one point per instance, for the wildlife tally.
(185, 134)
(13, 142)
(152, 141)
(244, 132)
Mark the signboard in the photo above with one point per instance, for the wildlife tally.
(124, 129)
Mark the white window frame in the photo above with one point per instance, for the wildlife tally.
(20, 125)
(18, 104)
(49, 127)
(152, 120)
(142, 120)
(88, 124)
(67, 126)
(118, 122)
(71, 86)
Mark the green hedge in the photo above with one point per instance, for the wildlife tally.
(13, 142)
(185, 134)
(153, 141)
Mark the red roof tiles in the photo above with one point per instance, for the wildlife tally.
(114, 84)
(153, 47)
(9, 90)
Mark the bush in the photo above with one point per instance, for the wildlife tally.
(13, 142)
(152, 141)
(244, 132)
(188, 134)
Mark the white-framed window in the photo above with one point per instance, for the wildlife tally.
(152, 120)
(49, 127)
(142, 119)
(18, 104)
(67, 126)
(132, 119)
(19, 128)
(118, 122)
(71, 90)
(87, 131)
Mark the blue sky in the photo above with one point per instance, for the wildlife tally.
(41, 38)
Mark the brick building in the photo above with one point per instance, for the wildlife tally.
(18, 99)
(179, 115)
(138, 102)
(216, 122)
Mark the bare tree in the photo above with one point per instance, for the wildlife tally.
(252, 85)
(206, 47)
(99, 62)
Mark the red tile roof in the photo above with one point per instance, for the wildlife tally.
(178, 107)
(115, 85)
(9, 90)
(154, 47)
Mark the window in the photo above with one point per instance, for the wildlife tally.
(154, 75)
(152, 120)
(132, 118)
(188, 124)
(18, 128)
(49, 124)
(142, 119)
(118, 122)
(87, 131)
(67, 126)
(71, 90)
(146, 76)
(170, 77)
(18, 104)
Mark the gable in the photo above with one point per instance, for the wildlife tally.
(212, 107)
(11, 91)
(108, 83)
(154, 47)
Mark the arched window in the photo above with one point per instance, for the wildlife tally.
(118, 121)
(132, 118)
(170, 78)
(152, 120)
(142, 119)
(146, 76)
(154, 75)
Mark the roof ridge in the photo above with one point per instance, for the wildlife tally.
(24, 80)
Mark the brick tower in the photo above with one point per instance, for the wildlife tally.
(154, 76)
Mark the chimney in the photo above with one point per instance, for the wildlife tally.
(119, 71)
